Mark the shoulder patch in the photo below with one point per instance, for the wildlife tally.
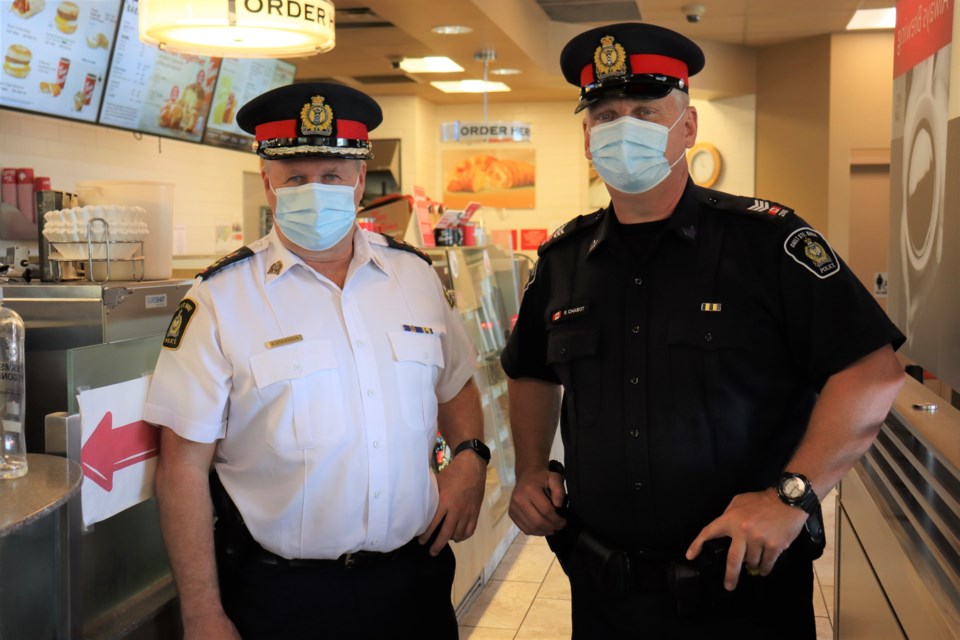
(754, 207)
(570, 229)
(393, 243)
(810, 249)
(234, 257)
(178, 324)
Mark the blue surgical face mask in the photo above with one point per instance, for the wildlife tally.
(628, 153)
(316, 216)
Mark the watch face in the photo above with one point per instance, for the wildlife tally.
(794, 488)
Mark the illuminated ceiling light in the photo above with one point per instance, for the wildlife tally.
(873, 19)
(451, 29)
(506, 71)
(430, 64)
(232, 29)
(470, 86)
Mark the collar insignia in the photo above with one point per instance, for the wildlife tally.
(316, 118)
(609, 59)
(275, 268)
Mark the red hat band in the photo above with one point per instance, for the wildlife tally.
(290, 129)
(643, 63)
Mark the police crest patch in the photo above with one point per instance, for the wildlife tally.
(178, 324)
(810, 249)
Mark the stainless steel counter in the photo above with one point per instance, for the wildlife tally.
(49, 483)
(898, 527)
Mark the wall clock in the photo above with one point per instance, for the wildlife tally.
(704, 161)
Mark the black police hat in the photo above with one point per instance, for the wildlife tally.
(311, 119)
(630, 59)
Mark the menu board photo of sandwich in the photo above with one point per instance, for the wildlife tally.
(153, 91)
(240, 81)
(56, 54)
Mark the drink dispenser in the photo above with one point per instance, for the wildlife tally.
(156, 198)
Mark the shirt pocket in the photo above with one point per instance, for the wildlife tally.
(418, 360)
(574, 356)
(703, 353)
(300, 386)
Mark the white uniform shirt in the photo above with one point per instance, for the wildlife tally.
(323, 442)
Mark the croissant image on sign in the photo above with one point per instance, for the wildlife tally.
(502, 178)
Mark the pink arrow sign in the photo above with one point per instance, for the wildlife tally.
(108, 450)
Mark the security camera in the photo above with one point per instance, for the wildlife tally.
(694, 12)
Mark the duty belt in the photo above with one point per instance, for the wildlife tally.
(352, 560)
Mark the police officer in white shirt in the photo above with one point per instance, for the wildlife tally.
(310, 372)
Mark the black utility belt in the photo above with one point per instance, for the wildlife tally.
(353, 560)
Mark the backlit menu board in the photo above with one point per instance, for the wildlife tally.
(240, 81)
(56, 54)
(153, 91)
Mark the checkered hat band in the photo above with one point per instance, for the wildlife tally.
(290, 129)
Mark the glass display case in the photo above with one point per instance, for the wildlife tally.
(484, 284)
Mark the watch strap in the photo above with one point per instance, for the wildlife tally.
(477, 446)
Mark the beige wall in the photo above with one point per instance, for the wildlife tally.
(861, 105)
(793, 85)
(817, 100)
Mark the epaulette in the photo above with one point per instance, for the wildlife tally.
(570, 229)
(231, 258)
(754, 207)
(394, 243)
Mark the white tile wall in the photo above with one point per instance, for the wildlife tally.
(208, 180)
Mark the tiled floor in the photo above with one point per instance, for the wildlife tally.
(528, 596)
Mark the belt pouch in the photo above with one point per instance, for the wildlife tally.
(610, 568)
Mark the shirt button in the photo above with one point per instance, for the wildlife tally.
(371, 392)
(296, 366)
(708, 337)
(376, 444)
(638, 485)
(376, 494)
(375, 540)
(563, 351)
(634, 380)
(636, 329)
(635, 433)
(638, 281)
(360, 343)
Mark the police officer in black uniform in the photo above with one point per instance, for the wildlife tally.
(721, 368)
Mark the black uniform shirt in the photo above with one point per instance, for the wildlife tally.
(690, 356)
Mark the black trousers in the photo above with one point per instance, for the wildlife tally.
(407, 596)
(779, 606)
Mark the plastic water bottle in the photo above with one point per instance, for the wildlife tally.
(13, 457)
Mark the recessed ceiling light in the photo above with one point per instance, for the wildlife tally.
(451, 29)
(430, 64)
(470, 86)
(873, 19)
(506, 71)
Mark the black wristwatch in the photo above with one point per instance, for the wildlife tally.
(477, 446)
(795, 490)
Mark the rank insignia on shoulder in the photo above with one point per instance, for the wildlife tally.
(750, 206)
(810, 249)
(275, 268)
(710, 306)
(178, 324)
(394, 243)
(231, 258)
(569, 229)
